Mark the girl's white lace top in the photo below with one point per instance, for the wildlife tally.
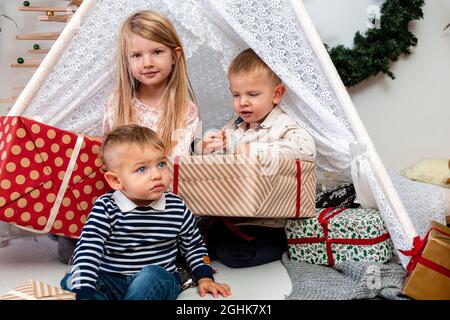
(149, 116)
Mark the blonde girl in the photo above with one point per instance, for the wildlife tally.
(153, 87)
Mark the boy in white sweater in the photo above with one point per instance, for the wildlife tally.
(261, 127)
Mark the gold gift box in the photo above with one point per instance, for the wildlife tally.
(424, 283)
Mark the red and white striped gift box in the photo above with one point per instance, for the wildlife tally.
(246, 186)
(37, 290)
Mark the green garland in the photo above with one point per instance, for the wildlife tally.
(373, 51)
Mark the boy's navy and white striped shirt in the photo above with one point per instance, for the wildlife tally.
(124, 242)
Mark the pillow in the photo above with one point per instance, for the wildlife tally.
(431, 170)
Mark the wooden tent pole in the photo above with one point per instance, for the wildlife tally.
(354, 120)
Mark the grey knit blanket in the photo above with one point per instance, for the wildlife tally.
(346, 281)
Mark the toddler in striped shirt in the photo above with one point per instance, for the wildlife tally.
(129, 244)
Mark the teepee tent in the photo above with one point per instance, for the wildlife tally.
(70, 87)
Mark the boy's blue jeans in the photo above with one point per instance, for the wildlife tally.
(151, 283)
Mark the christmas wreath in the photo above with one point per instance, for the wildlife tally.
(373, 51)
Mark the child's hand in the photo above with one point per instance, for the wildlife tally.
(213, 141)
(209, 285)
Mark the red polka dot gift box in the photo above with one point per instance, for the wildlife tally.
(49, 178)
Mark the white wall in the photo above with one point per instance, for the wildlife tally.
(408, 118)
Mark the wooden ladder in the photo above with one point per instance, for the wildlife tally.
(28, 63)
(52, 14)
(38, 51)
(10, 100)
(75, 3)
(39, 36)
(46, 9)
(58, 18)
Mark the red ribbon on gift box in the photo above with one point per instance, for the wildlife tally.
(176, 169)
(416, 255)
(323, 220)
(299, 187)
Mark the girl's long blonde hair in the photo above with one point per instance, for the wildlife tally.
(155, 27)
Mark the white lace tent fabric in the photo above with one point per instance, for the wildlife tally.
(71, 85)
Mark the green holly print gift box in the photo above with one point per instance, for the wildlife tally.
(337, 235)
